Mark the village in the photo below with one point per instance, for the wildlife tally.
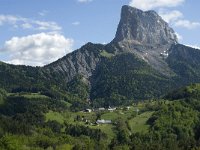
(107, 111)
(107, 118)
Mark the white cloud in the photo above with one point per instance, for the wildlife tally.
(26, 23)
(170, 16)
(46, 25)
(194, 46)
(26, 26)
(37, 49)
(84, 1)
(43, 13)
(9, 19)
(176, 18)
(187, 24)
(151, 4)
(180, 38)
(76, 23)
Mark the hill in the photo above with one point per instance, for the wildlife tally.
(36, 121)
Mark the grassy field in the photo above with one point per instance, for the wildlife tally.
(66, 103)
(106, 54)
(108, 129)
(29, 95)
(54, 116)
(138, 123)
(35, 96)
(65, 147)
(111, 115)
(118, 114)
(70, 118)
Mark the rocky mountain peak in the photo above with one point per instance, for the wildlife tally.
(144, 27)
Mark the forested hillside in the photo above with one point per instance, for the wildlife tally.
(37, 121)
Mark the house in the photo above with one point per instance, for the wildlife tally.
(111, 109)
(88, 110)
(101, 109)
(128, 107)
(102, 121)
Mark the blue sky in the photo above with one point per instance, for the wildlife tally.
(37, 32)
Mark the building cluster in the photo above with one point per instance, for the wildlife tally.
(111, 109)
(103, 121)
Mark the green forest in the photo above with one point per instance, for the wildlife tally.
(37, 121)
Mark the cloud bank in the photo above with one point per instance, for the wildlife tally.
(37, 49)
(152, 4)
(26, 23)
(76, 23)
(175, 17)
(84, 1)
(194, 46)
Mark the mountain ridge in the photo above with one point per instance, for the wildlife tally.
(142, 39)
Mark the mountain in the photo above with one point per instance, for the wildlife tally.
(143, 61)
(139, 27)
(146, 35)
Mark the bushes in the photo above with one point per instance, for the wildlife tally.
(9, 142)
(78, 130)
(54, 126)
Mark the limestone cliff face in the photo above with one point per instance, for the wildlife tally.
(143, 27)
(81, 62)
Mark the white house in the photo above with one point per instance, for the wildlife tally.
(88, 110)
(102, 121)
(111, 109)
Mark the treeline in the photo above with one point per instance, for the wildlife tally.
(78, 130)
